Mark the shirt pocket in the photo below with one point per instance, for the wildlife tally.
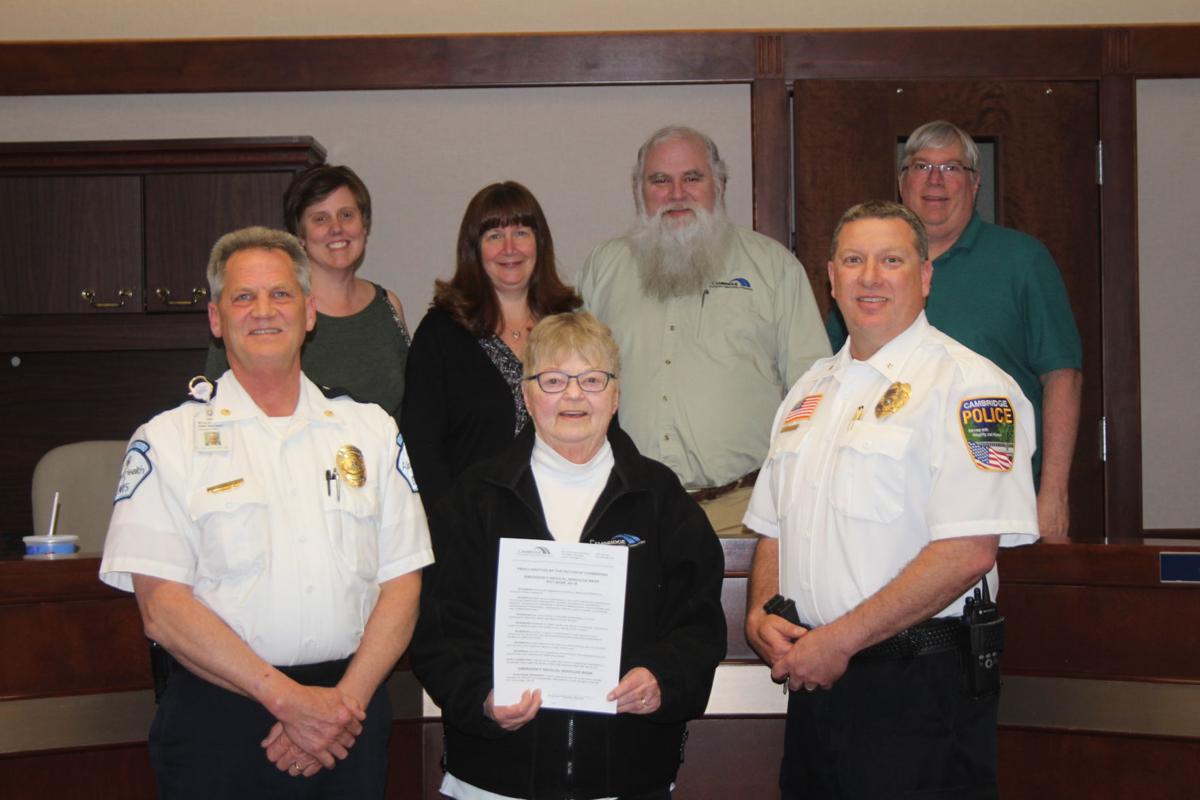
(353, 524)
(869, 476)
(233, 530)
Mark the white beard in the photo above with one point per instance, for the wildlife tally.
(678, 260)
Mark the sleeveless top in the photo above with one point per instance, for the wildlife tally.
(363, 353)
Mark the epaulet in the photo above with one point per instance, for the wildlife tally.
(334, 392)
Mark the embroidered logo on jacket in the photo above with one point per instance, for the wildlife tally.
(624, 540)
(732, 283)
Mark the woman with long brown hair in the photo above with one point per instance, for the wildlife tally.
(463, 400)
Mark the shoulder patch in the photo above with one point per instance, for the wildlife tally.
(801, 411)
(989, 427)
(404, 464)
(134, 470)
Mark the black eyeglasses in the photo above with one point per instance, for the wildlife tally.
(556, 382)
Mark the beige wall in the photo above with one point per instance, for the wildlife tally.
(1169, 288)
(122, 19)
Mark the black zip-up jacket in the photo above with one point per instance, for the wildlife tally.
(674, 626)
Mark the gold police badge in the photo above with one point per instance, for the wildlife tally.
(893, 399)
(350, 466)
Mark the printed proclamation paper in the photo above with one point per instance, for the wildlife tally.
(560, 610)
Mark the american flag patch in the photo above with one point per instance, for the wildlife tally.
(802, 410)
(991, 457)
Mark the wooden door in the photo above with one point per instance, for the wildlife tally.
(1043, 135)
(186, 213)
(67, 235)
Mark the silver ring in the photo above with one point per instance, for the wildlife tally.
(643, 702)
(296, 766)
(808, 688)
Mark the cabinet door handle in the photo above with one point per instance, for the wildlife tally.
(122, 296)
(164, 294)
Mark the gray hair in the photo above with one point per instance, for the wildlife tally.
(573, 332)
(883, 209)
(940, 133)
(670, 133)
(252, 238)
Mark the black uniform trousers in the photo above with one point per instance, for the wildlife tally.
(903, 728)
(205, 744)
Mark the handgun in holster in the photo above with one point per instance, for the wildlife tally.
(983, 644)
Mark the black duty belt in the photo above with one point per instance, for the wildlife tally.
(713, 492)
(931, 636)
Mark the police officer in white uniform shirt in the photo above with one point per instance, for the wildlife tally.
(896, 469)
(274, 539)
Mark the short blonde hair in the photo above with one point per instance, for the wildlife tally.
(575, 332)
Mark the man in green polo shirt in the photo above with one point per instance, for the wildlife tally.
(999, 292)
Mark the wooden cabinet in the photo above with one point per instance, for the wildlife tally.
(68, 234)
(126, 227)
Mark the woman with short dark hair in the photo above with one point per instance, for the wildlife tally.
(360, 342)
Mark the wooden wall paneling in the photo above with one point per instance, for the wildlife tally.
(734, 757)
(772, 184)
(115, 772)
(412, 62)
(1097, 611)
(1082, 565)
(739, 551)
(1119, 305)
(58, 333)
(1161, 51)
(56, 398)
(405, 760)
(943, 53)
(373, 62)
(177, 155)
(1035, 764)
(769, 126)
(833, 133)
(70, 648)
(1115, 633)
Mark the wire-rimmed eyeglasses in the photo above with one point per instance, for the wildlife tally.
(555, 381)
(951, 169)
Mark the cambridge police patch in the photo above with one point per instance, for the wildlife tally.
(135, 469)
(404, 464)
(989, 426)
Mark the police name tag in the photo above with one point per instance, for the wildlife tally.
(211, 436)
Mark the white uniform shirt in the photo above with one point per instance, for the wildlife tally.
(701, 375)
(854, 497)
(288, 559)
